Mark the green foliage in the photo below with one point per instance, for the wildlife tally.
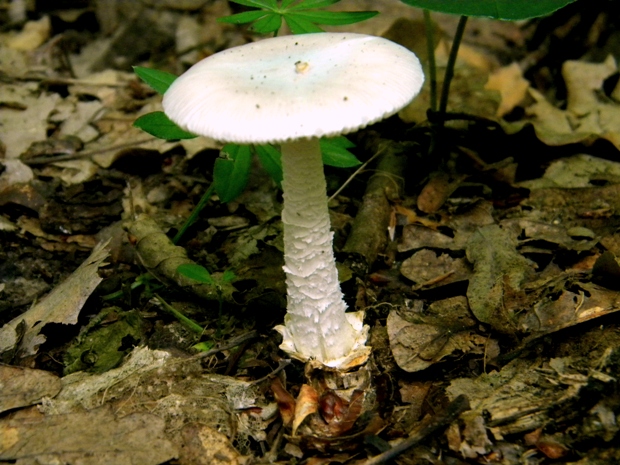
(196, 272)
(498, 9)
(301, 16)
(159, 125)
(232, 171)
(335, 152)
(271, 159)
(159, 81)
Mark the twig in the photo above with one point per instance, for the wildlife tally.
(458, 406)
(234, 342)
(357, 171)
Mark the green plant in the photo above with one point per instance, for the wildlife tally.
(511, 10)
(301, 16)
(496, 9)
(201, 274)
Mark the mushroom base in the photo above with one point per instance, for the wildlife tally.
(316, 325)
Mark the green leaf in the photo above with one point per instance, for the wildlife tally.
(271, 22)
(243, 18)
(269, 4)
(300, 25)
(228, 276)
(271, 159)
(498, 9)
(159, 125)
(195, 272)
(335, 152)
(159, 81)
(334, 18)
(230, 174)
(311, 4)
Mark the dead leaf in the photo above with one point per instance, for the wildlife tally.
(426, 337)
(207, 446)
(497, 267)
(286, 402)
(89, 438)
(428, 269)
(589, 115)
(20, 128)
(511, 85)
(34, 34)
(307, 404)
(20, 387)
(62, 305)
(576, 171)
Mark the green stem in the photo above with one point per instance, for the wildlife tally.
(191, 324)
(432, 65)
(454, 50)
(194, 215)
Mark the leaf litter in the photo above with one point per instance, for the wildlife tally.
(501, 283)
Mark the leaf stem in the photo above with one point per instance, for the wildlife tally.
(454, 50)
(194, 215)
(432, 65)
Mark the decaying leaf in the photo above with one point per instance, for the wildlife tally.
(307, 403)
(420, 338)
(20, 387)
(498, 267)
(427, 269)
(588, 115)
(577, 171)
(511, 85)
(62, 305)
(206, 446)
(89, 438)
(526, 395)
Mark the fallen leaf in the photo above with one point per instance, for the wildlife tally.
(206, 446)
(419, 339)
(62, 305)
(511, 85)
(307, 404)
(89, 438)
(20, 387)
(497, 267)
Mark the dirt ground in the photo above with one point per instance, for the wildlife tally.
(484, 253)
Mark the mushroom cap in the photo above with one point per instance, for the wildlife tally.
(294, 87)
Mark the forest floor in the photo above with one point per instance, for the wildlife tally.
(484, 254)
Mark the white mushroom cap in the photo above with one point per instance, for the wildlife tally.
(294, 87)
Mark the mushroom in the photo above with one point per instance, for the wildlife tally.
(292, 90)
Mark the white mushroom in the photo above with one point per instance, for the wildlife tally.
(292, 90)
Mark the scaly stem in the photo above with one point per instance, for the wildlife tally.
(316, 319)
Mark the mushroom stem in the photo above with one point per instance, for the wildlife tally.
(316, 322)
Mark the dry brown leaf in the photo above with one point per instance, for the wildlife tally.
(34, 34)
(62, 305)
(588, 116)
(307, 404)
(20, 387)
(89, 438)
(511, 85)
(206, 446)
